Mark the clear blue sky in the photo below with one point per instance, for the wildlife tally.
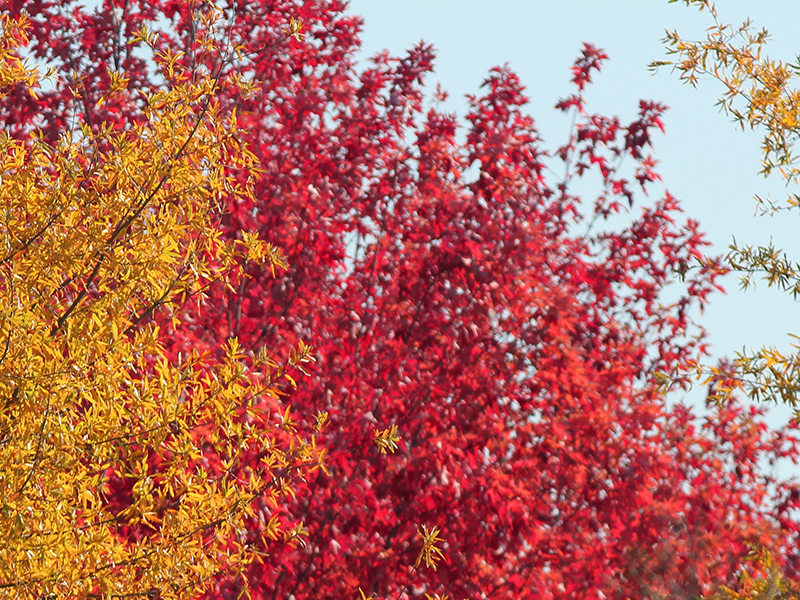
(705, 160)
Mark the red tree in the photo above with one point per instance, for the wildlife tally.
(457, 287)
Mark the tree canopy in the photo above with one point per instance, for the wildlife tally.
(484, 416)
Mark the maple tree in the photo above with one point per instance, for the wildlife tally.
(487, 340)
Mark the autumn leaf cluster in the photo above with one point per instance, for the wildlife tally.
(100, 229)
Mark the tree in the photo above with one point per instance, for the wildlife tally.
(470, 311)
(104, 472)
(759, 93)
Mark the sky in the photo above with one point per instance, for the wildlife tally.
(705, 160)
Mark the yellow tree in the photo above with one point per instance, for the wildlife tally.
(97, 232)
(762, 94)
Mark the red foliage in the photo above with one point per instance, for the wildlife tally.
(460, 288)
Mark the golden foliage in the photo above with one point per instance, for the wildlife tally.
(759, 92)
(760, 579)
(387, 439)
(96, 234)
(430, 553)
(12, 69)
(762, 94)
